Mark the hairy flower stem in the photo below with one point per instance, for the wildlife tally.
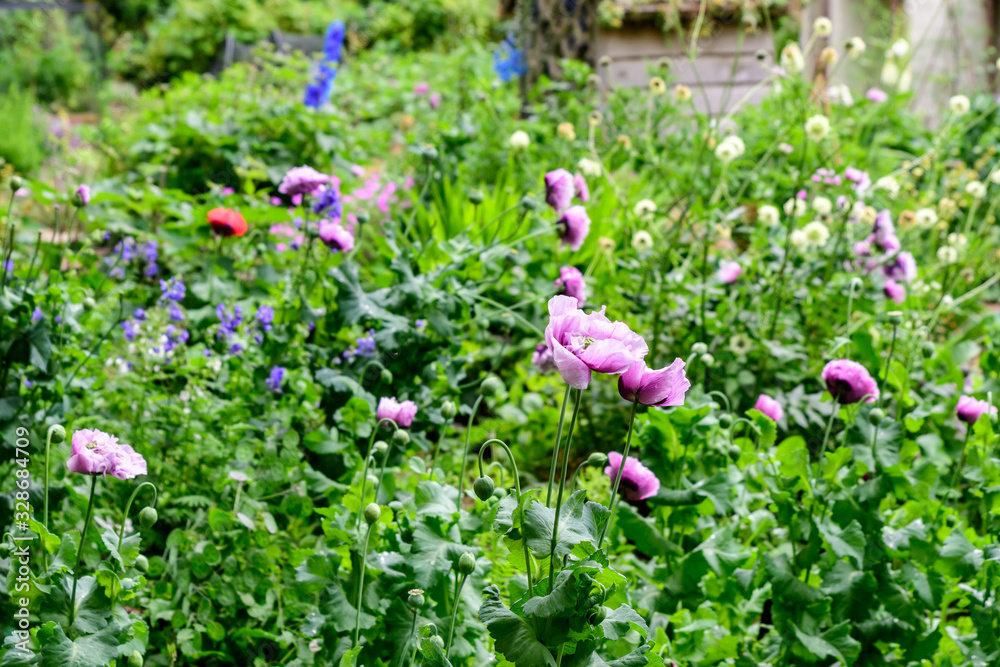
(618, 478)
(437, 447)
(819, 466)
(517, 489)
(847, 332)
(562, 486)
(454, 614)
(364, 469)
(555, 450)
(413, 629)
(79, 551)
(361, 584)
(465, 454)
(961, 464)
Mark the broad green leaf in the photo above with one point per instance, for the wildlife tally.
(619, 621)
(846, 542)
(579, 521)
(572, 586)
(129, 550)
(513, 635)
(434, 555)
(90, 650)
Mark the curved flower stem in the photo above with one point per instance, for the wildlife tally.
(847, 331)
(364, 469)
(121, 531)
(361, 584)
(413, 628)
(454, 614)
(45, 506)
(562, 485)
(888, 359)
(498, 466)
(465, 454)
(618, 478)
(79, 550)
(517, 488)
(555, 450)
(725, 399)
(373, 362)
(437, 447)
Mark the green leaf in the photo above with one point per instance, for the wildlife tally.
(430, 650)
(619, 621)
(579, 521)
(586, 656)
(513, 635)
(768, 429)
(572, 586)
(91, 650)
(434, 499)
(129, 550)
(834, 643)
(785, 584)
(846, 542)
(434, 555)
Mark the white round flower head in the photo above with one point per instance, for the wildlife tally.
(975, 189)
(995, 175)
(957, 240)
(840, 94)
(823, 26)
(794, 204)
(589, 167)
(520, 139)
(644, 207)
(900, 48)
(890, 74)
(816, 233)
(822, 205)
(798, 239)
(729, 149)
(791, 58)
(959, 105)
(889, 184)
(740, 344)
(925, 218)
(905, 81)
(642, 241)
(855, 47)
(817, 127)
(947, 255)
(768, 215)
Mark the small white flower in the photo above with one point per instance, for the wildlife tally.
(858, 210)
(644, 207)
(976, 189)
(840, 94)
(890, 74)
(795, 204)
(799, 240)
(740, 344)
(816, 233)
(855, 47)
(995, 175)
(823, 26)
(642, 241)
(791, 58)
(900, 48)
(822, 205)
(925, 218)
(958, 240)
(729, 149)
(520, 139)
(817, 127)
(589, 167)
(889, 184)
(947, 254)
(959, 105)
(768, 215)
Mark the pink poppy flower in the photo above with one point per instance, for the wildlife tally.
(638, 482)
(571, 281)
(729, 272)
(580, 186)
(663, 388)
(559, 189)
(895, 291)
(98, 453)
(336, 238)
(970, 410)
(401, 413)
(574, 225)
(769, 407)
(849, 382)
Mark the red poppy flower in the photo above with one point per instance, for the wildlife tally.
(227, 222)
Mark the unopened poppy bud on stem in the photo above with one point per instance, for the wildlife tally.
(135, 660)
(449, 410)
(597, 460)
(476, 197)
(16, 183)
(467, 563)
(699, 349)
(380, 447)
(372, 513)
(147, 517)
(876, 416)
(57, 434)
(386, 376)
(400, 438)
(492, 386)
(484, 488)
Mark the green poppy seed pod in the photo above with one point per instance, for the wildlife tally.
(379, 447)
(725, 420)
(492, 386)
(476, 197)
(895, 318)
(386, 376)
(362, 217)
(596, 615)
(593, 81)
(735, 452)
(699, 349)
(597, 460)
(57, 434)
(483, 487)
(416, 599)
(499, 493)
(16, 183)
(437, 640)
(148, 517)
(928, 350)
(141, 563)
(708, 360)
(372, 513)
(876, 416)
(467, 563)
(135, 660)
(400, 438)
(530, 203)
(449, 409)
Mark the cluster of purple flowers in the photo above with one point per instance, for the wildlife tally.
(882, 248)
(229, 324)
(264, 317)
(560, 189)
(173, 289)
(275, 379)
(129, 251)
(363, 347)
(319, 90)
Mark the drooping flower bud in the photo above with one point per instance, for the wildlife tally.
(699, 348)
(400, 438)
(449, 409)
(57, 434)
(597, 460)
(386, 376)
(148, 517)
(492, 386)
(483, 487)
(141, 563)
(135, 660)
(876, 416)
(380, 447)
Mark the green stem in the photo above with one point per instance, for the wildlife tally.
(555, 450)
(454, 614)
(413, 628)
(79, 551)
(361, 584)
(888, 359)
(465, 455)
(613, 502)
(562, 486)
(121, 531)
(45, 506)
(517, 489)
(437, 446)
(364, 469)
(961, 464)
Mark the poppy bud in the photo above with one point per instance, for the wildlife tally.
(416, 599)
(380, 447)
(699, 349)
(597, 460)
(467, 563)
(372, 513)
(530, 203)
(386, 376)
(476, 197)
(147, 517)
(735, 452)
(708, 360)
(57, 433)
(400, 438)
(141, 563)
(437, 640)
(876, 416)
(499, 493)
(89, 303)
(725, 420)
(492, 386)
(449, 410)
(135, 660)
(483, 487)
(372, 479)
(16, 183)
(928, 350)
(605, 61)
(362, 217)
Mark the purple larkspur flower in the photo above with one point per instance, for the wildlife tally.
(275, 379)
(302, 181)
(229, 323)
(139, 314)
(663, 387)
(328, 200)
(420, 324)
(365, 346)
(131, 330)
(264, 317)
(637, 483)
(849, 382)
(37, 315)
(176, 314)
(173, 289)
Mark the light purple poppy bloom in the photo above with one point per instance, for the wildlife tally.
(849, 382)
(902, 268)
(559, 189)
(421, 88)
(638, 482)
(581, 343)
(581, 189)
(877, 95)
(970, 410)
(83, 194)
(302, 180)
(769, 407)
(730, 271)
(98, 453)
(401, 413)
(434, 100)
(894, 291)
(574, 225)
(571, 281)
(542, 358)
(335, 236)
(663, 388)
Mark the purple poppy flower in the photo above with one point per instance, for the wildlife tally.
(571, 281)
(970, 410)
(302, 181)
(769, 407)
(335, 236)
(902, 268)
(877, 95)
(729, 272)
(574, 225)
(581, 189)
(559, 189)
(542, 358)
(581, 343)
(638, 482)
(401, 413)
(97, 453)
(275, 379)
(83, 195)
(663, 388)
(849, 382)
(894, 291)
